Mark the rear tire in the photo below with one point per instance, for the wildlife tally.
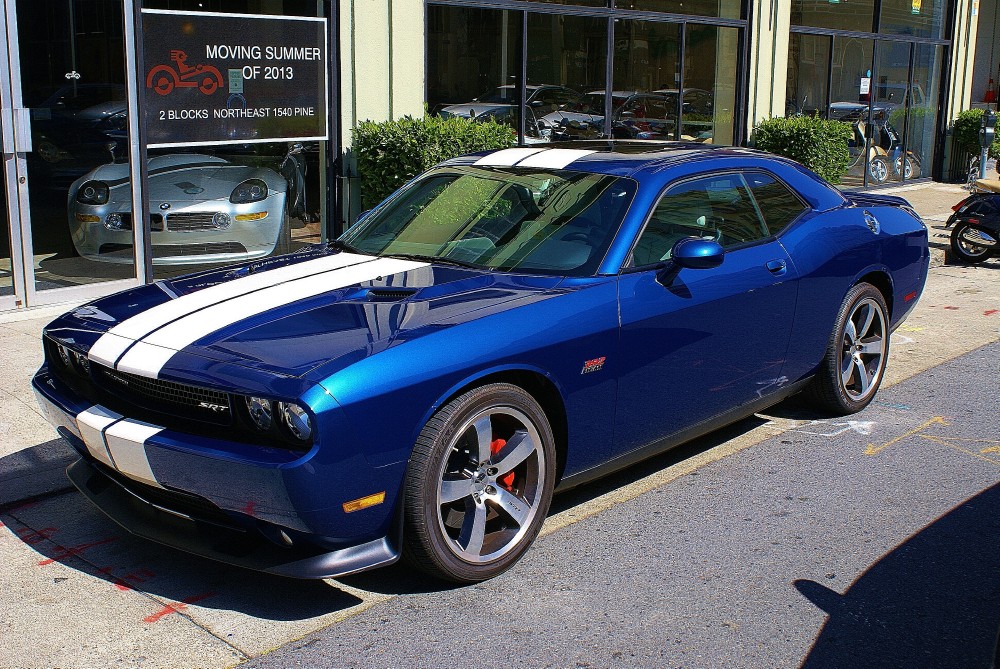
(478, 484)
(856, 355)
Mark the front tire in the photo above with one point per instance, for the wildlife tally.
(969, 245)
(856, 354)
(478, 485)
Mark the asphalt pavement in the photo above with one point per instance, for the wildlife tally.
(861, 542)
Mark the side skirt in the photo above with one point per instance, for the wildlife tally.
(681, 437)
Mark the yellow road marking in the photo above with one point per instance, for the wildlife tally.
(872, 449)
(950, 443)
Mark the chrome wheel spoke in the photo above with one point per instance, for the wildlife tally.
(512, 505)
(453, 490)
(847, 369)
(473, 529)
(484, 437)
(850, 332)
(517, 450)
(864, 379)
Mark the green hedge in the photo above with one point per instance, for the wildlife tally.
(392, 152)
(819, 145)
(967, 133)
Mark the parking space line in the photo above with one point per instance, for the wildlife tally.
(872, 449)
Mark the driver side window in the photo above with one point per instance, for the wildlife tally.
(718, 208)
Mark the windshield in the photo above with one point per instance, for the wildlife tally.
(513, 219)
(501, 95)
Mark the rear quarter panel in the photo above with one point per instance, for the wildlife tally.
(834, 250)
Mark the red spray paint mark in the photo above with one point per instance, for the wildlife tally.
(250, 507)
(952, 308)
(128, 581)
(991, 312)
(30, 536)
(177, 607)
(76, 550)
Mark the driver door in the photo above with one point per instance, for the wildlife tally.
(698, 342)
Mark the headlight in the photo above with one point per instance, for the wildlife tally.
(82, 361)
(64, 355)
(260, 412)
(296, 419)
(251, 190)
(93, 192)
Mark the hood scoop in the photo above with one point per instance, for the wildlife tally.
(385, 294)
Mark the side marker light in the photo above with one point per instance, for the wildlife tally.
(364, 502)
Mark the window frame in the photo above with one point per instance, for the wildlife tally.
(628, 265)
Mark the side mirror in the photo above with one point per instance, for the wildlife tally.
(697, 253)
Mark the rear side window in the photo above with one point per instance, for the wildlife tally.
(777, 203)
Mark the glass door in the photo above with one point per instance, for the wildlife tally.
(72, 165)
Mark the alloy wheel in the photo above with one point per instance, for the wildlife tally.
(863, 350)
(491, 484)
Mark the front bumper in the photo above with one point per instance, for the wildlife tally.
(242, 508)
(137, 510)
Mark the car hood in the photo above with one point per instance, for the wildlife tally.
(288, 315)
(182, 177)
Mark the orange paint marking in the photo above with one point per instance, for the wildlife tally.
(75, 550)
(177, 607)
(128, 581)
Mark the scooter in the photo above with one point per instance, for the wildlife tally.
(977, 223)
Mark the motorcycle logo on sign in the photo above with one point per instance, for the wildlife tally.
(164, 78)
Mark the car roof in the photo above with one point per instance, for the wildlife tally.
(616, 157)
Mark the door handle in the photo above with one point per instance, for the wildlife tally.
(776, 267)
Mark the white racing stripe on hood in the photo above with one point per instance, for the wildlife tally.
(110, 347)
(555, 159)
(147, 357)
(506, 157)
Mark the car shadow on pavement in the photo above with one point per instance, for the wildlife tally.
(934, 601)
(66, 529)
(34, 471)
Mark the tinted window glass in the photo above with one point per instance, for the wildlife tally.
(777, 203)
(718, 208)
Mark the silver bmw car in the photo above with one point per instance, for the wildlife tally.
(204, 210)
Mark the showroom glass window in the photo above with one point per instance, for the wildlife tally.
(877, 67)
(292, 215)
(72, 75)
(856, 15)
(572, 82)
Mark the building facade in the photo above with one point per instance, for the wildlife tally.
(100, 126)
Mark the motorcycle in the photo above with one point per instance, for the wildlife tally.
(977, 223)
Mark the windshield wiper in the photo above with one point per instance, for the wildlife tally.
(338, 245)
(439, 260)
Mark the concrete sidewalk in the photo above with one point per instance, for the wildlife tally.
(32, 459)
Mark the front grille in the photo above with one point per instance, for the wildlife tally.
(190, 221)
(166, 396)
(155, 222)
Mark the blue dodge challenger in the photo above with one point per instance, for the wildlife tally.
(506, 325)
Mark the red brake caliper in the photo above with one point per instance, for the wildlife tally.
(508, 480)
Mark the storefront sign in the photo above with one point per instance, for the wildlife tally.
(233, 78)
